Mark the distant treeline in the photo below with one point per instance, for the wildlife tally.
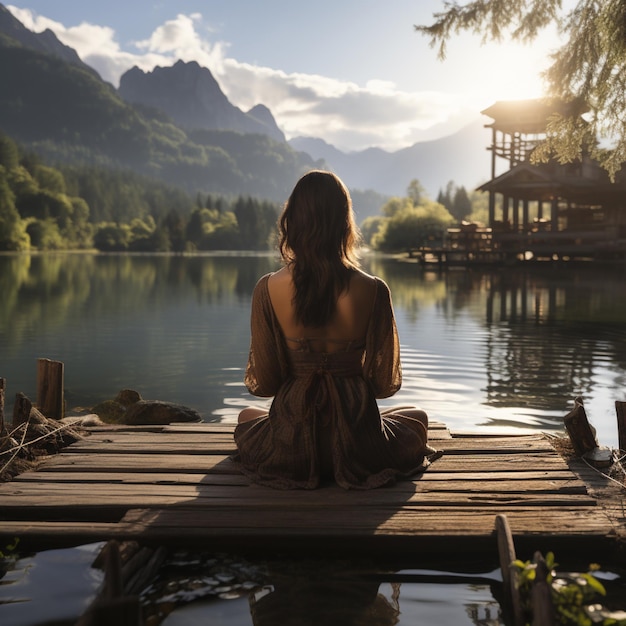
(89, 206)
(81, 207)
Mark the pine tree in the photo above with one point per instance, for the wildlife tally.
(461, 204)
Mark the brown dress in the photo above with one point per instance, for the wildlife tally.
(324, 421)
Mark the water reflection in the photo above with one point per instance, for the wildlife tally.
(319, 596)
(496, 347)
(193, 587)
(522, 343)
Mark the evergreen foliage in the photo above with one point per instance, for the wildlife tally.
(71, 207)
(456, 200)
(587, 70)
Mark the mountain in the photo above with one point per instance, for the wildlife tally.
(175, 124)
(461, 157)
(191, 97)
(46, 42)
(68, 115)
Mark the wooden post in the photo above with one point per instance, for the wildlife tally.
(506, 553)
(541, 594)
(620, 408)
(579, 430)
(112, 606)
(50, 388)
(3, 386)
(21, 409)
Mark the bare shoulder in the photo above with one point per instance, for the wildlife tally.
(280, 289)
(279, 281)
(362, 289)
(363, 282)
(279, 276)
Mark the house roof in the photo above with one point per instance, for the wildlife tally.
(528, 116)
(579, 182)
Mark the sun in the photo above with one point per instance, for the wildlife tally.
(505, 70)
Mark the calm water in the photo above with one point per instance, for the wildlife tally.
(480, 349)
(507, 348)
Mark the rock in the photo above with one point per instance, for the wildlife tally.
(110, 412)
(129, 408)
(126, 397)
(159, 412)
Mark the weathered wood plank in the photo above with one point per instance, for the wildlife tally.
(244, 498)
(125, 444)
(399, 538)
(144, 523)
(201, 443)
(482, 481)
(160, 462)
(85, 462)
(203, 427)
(145, 477)
(570, 521)
(176, 483)
(65, 529)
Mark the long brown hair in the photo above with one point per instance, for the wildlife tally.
(318, 240)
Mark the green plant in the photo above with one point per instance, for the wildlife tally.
(9, 550)
(574, 595)
(7, 556)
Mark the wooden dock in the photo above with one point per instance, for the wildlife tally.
(176, 485)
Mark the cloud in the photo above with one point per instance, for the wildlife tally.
(347, 115)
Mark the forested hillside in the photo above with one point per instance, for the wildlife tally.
(82, 167)
(66, 114)
(85, 206)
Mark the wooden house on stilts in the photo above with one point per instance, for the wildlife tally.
(549, 211)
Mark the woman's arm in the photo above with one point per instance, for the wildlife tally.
(267, 363)
(382, 366)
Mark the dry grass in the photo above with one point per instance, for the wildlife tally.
(616, 472)
(24, 446)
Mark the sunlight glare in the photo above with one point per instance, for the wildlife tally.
(507, 71)
(514, 73)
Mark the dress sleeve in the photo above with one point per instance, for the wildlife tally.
(267, 363)
(382, 368)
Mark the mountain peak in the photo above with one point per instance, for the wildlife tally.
(189, 94)
(46, 41)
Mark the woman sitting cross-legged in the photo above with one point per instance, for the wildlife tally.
(324, 345)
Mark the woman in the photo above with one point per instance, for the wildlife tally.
(324, 344)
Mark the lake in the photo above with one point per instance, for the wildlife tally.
(480, 348)
(489, 348)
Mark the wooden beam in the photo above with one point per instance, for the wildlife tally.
(579, 430)
(21, 409)
(50, 400)
(541, 594)
(111, 606)
(620, 408)
(3, 387)
(510, 577)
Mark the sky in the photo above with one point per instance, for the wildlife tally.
(354, 73)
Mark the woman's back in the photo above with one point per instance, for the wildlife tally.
(347, 325)
(324, 345)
